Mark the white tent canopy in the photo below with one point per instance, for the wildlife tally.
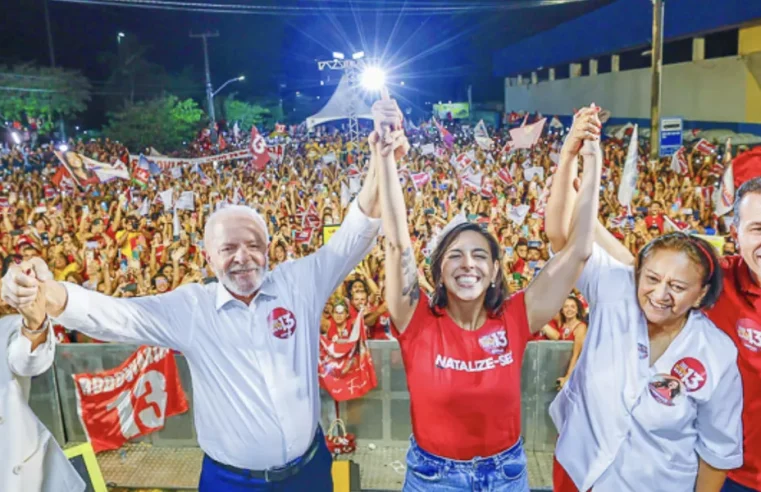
(337, 107)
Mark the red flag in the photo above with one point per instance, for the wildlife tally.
(705, 147)
(131, 400)
(258, 148)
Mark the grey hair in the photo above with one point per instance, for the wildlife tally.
(748, 187)
(233, 210)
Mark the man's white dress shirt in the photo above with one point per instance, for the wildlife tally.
(254, 368)
(30, 458)
(622, 429)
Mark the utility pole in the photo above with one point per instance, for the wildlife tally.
(655, 87)
(470, 102)
(209, 90)
(50, 34)
(51, 50)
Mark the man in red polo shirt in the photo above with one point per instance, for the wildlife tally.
(738, 313)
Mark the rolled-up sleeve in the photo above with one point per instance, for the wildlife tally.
(719, 423)
(163, 320)
(325, 269)
(25, 362)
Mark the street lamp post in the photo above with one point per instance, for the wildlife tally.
(119, 38)
(234, 79)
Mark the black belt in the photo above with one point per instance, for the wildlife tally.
(280, 473)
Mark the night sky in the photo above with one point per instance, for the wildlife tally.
(437, 56)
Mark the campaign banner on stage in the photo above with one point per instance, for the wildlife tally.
(131, 400)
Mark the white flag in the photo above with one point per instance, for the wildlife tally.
(345, 195)
(176, 224)
(167, 199)
(518, 214)
(724, 197)
(529, 173)
(186, 201)
(427, 149)
(482, 136)
(355, 184)
(329, 157)
(629, 176)
(145, 207)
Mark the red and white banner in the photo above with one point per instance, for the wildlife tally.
(169, 162)
(276, 152)
(131, 400)
(679, 162)
(504, 176)
(705, 147)
(303, 236)
(346, 366)
(420, 180)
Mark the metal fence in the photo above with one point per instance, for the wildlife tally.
(382, 416)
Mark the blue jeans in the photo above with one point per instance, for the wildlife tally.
(503, 472)
(732, 486)
(314, 477)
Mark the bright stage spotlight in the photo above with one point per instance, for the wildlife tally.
(372, 79)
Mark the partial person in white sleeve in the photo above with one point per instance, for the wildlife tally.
(655, 400)
(251, 341)
(30, 458)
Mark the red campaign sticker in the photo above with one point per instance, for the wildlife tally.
(691, 373)
(749, 333)
(494, 343)
(282, 323)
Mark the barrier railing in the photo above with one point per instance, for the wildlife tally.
(382, 416)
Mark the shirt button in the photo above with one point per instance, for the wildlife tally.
(17, 470)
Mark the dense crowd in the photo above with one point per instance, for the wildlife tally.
(122, 240)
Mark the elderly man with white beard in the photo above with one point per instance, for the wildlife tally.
(251, 340)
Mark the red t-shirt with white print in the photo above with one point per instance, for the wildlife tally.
(465, 386)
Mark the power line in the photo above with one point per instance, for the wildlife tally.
(286, 10)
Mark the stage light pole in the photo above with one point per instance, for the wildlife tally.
(355, 69)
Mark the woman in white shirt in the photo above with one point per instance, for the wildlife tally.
(655, 401)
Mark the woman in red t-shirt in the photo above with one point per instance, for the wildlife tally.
(463, 348)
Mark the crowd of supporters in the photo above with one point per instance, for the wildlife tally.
(123, 240)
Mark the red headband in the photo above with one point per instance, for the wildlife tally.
(707, 255)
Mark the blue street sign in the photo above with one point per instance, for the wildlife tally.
(671, 136)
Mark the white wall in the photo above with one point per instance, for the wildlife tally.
(707, 90)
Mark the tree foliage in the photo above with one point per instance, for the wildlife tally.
(43, 93)
(134, 78)
(245, 114)
(163, 122)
